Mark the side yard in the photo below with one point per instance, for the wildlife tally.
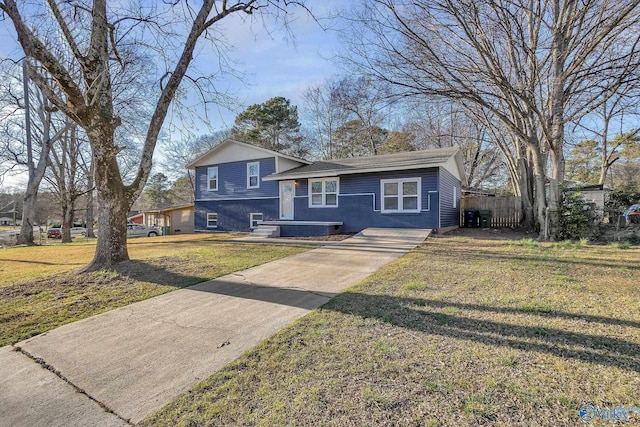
(41, 288)
(461, 331)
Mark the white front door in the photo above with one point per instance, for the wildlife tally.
(287, 190)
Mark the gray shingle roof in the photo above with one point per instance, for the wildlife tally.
(383, 162)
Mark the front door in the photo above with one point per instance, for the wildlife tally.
(287, 189)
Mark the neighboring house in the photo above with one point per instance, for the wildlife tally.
(595, 194)
(239, 185)
(135, 218)
(6, 220)
(173, 220)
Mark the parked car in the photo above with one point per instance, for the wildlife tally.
(138, 230)
(56, 232)
(78, 231)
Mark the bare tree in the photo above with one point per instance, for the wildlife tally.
(368, 104)
(93, 38)
(443, 123)
(179, 153)
(532, 66)
(30, 127)
(324, 115)
(348, 115)
(613, 124)
(66, 176)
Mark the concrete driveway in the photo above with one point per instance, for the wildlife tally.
(121, 366)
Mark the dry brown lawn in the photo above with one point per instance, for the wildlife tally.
(463, 331)
(41, 287)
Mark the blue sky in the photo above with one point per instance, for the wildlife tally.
(272, 63)
(276, 64)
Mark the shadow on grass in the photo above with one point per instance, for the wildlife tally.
(425, 315)
(544, 256)
(24, 261)
(158, 274)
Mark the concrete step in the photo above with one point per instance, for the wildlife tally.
(264, 231)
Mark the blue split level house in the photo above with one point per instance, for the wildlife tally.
(240, 186)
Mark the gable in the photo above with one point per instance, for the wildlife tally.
(454, 167)
(230, 151)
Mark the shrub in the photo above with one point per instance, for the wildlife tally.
(576, 218)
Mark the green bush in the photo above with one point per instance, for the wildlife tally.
(577, 220)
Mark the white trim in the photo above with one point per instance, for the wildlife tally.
(251, 214)
(455, 197)
(285, 222)
(320, 174)
(400, 196)
(237, 198)
(323, 193)
(209, 169)
(216, 219)
(323, 173)
(249, 164)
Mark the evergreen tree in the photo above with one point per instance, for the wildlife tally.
(272, 125)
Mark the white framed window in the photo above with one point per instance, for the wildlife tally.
(255, 218)
(212, 220)
(212, 178)
(455, 197)
(253, 175)
(323, 192)
(401, 195)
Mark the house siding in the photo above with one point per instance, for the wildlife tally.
(359, 202)
(233, 201)
(233, 215)
(232, 181)
(182, 220)
(449, 215)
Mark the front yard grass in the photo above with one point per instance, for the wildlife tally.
(41, 288)
(460, 332)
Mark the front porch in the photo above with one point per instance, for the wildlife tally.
(285, 228)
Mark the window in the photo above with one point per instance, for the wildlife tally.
(455, 197)
(255, 218)
(212, 179)
(323, 192)
(212, 220)
(400, 195)
(253, 175)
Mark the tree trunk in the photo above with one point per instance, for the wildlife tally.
(90, 184)
(556, 179)
(28, 213)
(113, 201)
(604, 163)
(67, 219)
(31, 197)
(539, 177)
(526, 194)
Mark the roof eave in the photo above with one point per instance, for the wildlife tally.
(335, 172)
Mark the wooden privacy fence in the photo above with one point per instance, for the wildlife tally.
(506, 211)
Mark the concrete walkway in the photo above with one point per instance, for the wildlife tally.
(119, 367)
